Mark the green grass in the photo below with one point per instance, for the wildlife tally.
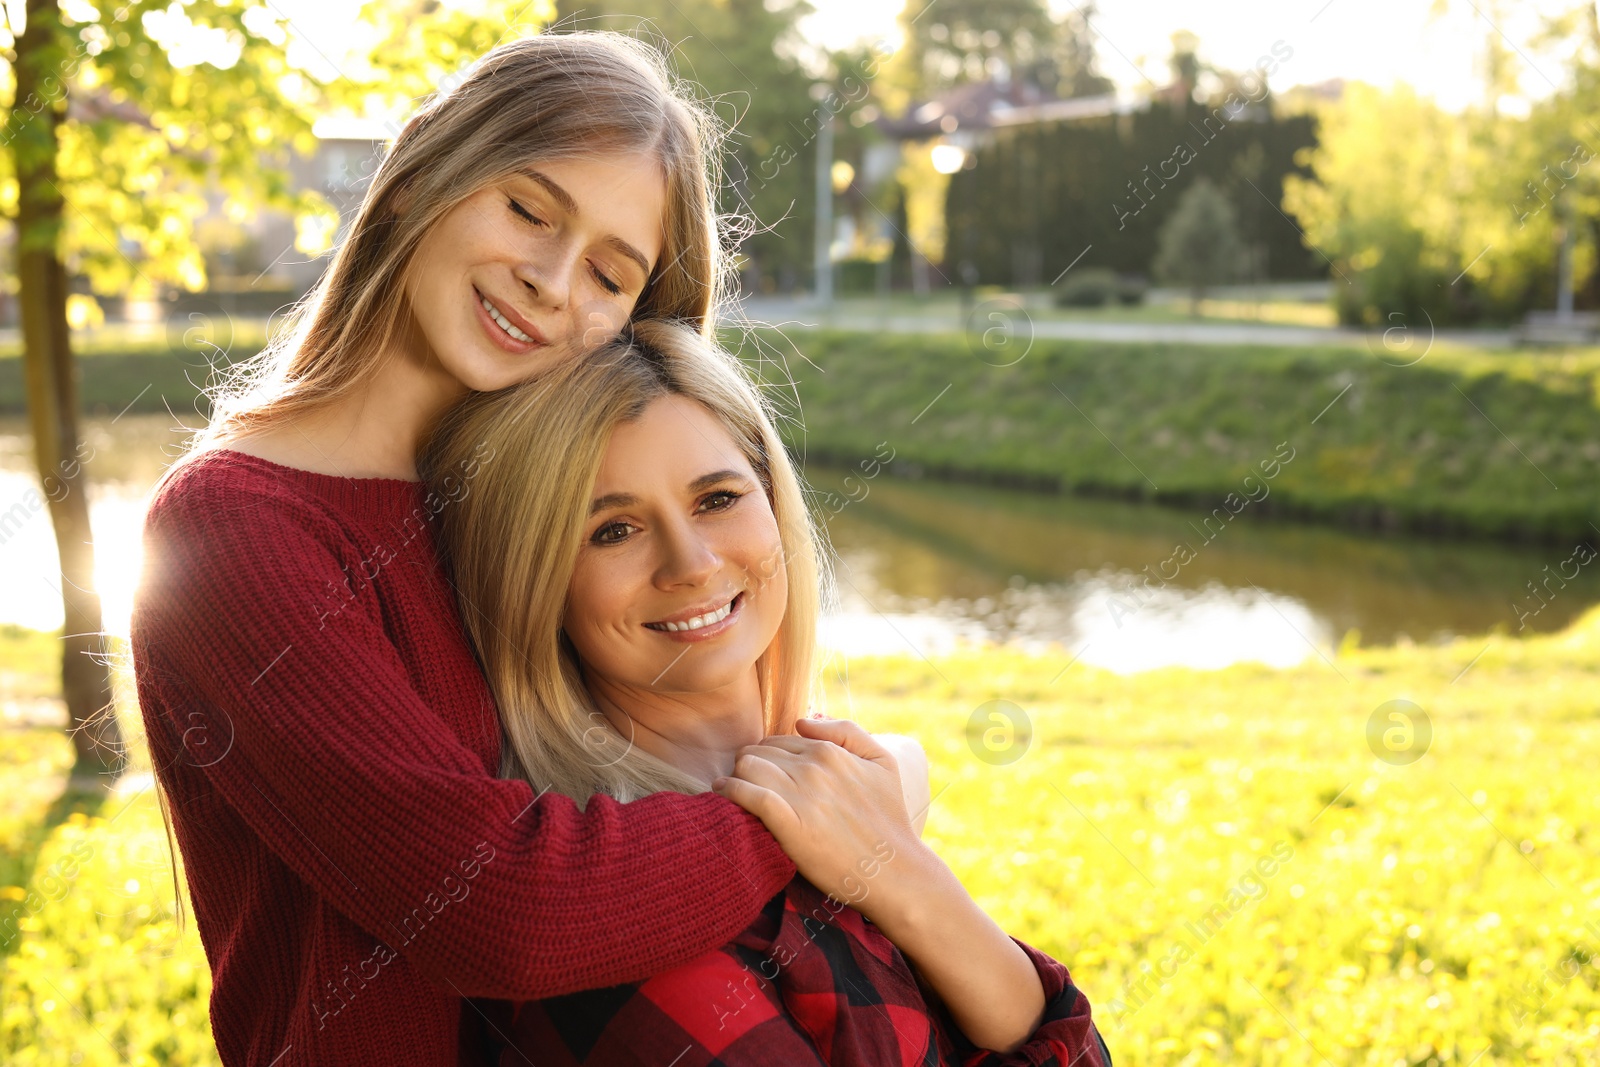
(152, 374)
(1442, 912)
(1233, 306)
(1429, 913)
(1498, 444)
(1487, 444)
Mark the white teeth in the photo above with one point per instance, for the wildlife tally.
(697, 622)
(505, 323)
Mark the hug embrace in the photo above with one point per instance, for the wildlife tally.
(476, 641)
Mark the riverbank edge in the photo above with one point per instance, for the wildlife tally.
(1376, 447)
(1180, 425)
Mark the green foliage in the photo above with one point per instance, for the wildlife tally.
(1097, 287)
(97, 972)
(1430, 216)
(955, 42)
(1400, 446)
(1200, 242)
(1039, 195)
(155, 127)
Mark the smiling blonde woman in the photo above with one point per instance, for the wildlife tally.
(638, 572)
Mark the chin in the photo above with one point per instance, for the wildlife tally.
(484, 373)
(706, 677)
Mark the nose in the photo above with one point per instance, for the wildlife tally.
(546, 278)
(688, 559)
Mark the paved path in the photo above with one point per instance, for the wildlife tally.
(794, 314)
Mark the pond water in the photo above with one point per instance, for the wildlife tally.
(923, 567)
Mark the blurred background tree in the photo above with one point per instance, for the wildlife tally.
(1409, 200)
(121, 122)
(955, 42)
(1200, 244)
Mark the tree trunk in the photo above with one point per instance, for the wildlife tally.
(52, 388)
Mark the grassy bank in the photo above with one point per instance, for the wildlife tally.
(1501, 445)
(150, 374)
(1425, 913)
(1504, 445)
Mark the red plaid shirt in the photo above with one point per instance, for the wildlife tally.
(810, 982)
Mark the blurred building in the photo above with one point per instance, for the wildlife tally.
(257, 260)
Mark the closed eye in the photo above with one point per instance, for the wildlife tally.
(600, 276)
(606, 283)
(525, 214)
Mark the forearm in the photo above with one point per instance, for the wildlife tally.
(989, 985)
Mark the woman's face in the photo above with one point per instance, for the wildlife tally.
(560, 254)
(681, 529)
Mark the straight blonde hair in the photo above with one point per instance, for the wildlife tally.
(545, 97)
(519, 468)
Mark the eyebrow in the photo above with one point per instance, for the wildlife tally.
(623, 500)
(565, 202)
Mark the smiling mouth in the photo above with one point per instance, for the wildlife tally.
(710, 618)
(500, 320)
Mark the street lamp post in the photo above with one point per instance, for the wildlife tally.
(824, 251)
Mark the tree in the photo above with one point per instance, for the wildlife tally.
(121, 122)
(1434, 217)
(1200, 243)
(953, 42)
(1077, 67)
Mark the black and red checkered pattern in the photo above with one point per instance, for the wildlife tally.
(810, 982)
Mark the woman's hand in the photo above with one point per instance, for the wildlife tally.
(833, 798)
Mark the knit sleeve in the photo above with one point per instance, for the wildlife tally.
(1065, 1037)
(347, 776)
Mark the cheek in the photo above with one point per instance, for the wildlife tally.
(767, 566)
(597, 322)
(597, 600)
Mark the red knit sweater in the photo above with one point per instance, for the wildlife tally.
(329, 746)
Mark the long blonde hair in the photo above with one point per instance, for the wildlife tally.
(519, 468)
(544, 97)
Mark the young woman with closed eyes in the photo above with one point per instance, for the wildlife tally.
(323, 738)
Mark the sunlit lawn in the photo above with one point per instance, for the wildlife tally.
(1431, 913)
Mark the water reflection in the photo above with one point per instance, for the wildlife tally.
(924, 566)
(127, 457)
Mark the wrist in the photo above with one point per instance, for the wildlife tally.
(906, 895)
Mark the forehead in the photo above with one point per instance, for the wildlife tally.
(673, 441)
